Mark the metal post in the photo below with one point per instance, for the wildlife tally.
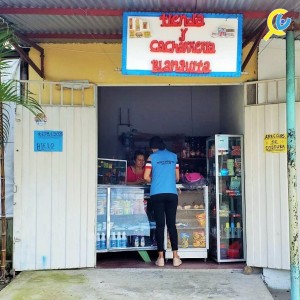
(291, 165)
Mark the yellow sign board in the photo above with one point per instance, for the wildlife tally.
(275, 143)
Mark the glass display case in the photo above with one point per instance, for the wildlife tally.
(192, 224)
(225, 174)
(112, 171)
(123, 220)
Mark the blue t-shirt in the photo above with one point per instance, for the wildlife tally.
(163, 165)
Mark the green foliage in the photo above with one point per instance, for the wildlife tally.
(11, 90)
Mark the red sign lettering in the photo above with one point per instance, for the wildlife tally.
(182, 47)
(196, 20)
(181, 66)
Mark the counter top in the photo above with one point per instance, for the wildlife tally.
(178, 186)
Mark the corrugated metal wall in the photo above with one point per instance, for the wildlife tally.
(54, 211)
(267, 218)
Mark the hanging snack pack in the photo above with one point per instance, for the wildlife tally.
(235, 183)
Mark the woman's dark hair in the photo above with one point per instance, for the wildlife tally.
(157, 143)
(137, 153)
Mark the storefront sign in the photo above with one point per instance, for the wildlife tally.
(275, 143)
(182, 44)
(48, 141)
(280, 23)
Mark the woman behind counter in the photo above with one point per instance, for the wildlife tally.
(135, 173)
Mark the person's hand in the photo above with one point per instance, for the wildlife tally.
(140, 181)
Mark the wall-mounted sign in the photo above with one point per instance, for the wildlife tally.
(275, 143)
(223, 144)
(182, 44)
(48, 141)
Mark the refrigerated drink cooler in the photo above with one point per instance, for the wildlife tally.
(225, 174)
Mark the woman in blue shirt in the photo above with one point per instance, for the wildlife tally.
(162, 171)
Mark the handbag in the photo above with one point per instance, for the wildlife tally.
(192, 177)
(193, 181)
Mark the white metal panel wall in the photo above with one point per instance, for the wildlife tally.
(266, 188)
(54, 212)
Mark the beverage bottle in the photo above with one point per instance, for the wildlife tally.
(142, 243)
(113, 242)
(119, 239)
(124, 240)
(102, 241)
(238, 230)
(227, 230)
(232, 230)
(136, 241)
(98, 241)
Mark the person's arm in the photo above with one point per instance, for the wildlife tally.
(148, 169)
(177, 172)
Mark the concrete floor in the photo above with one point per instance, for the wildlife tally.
(156, 283)
(126, 276)
(280, 294)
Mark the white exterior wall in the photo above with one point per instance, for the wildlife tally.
(266, 187)
(266, 174)
(272, 58)
(267, 219)
(54, 212)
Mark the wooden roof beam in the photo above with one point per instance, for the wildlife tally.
(259, 36)
(252, 36)
(25, 57)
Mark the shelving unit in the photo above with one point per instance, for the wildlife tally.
(197, 164)
(226, 197)
(192, 155)
(192, 224)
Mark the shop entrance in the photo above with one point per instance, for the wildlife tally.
(129, 116)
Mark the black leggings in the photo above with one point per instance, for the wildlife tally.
(165, 207)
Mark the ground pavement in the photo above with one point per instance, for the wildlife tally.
(129, 283)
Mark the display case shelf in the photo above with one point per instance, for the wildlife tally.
(226, 197)
(192, 225)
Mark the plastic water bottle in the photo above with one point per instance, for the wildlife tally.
(102, 241)
(113, 242)
(142, 243)
(119, 239)
(124, 240)
(136, 241)
(98, 241)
